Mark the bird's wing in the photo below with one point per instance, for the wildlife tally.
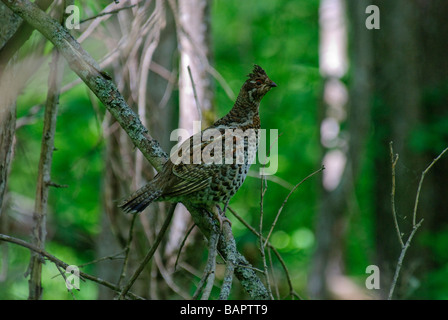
(195, 167)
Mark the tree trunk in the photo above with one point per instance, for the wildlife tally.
(395, 116)
(329, 258)
(194, 79)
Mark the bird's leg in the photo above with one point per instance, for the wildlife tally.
(225, 207)
(220, 215)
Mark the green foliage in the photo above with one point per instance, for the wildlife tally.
(431, 135)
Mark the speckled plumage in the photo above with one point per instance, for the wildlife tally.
(202, 182)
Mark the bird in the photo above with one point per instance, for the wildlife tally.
(208, 168)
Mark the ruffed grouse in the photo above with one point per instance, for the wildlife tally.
(209, 167)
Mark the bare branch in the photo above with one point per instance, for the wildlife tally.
(150, 252)
(195, 94)
(126, 250)
(63, 264)
(208, 277)
(393, 160)
(401, 258)
(415, 225)
(107, 13)
(270, 246)
(65, 279)
(44, 172)
(182, 244)
(417, 197)
(115, 256)
(286, 200)
(263, 189)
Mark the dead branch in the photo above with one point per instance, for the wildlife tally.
(286, 200)
(150, 253)
(271, 247)
(394, 160)
(63, 264)
(415, 225)
(263, 189)
(107, 13)
(44, 174)
(208, 277)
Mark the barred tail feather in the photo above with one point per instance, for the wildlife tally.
(140, 199)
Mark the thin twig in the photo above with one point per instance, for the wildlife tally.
(417, 197)
(56, 185)
(127, 250)
(167, 276)
(393, 160)
(110, 257)
(286, 200)
(208, 277)
(150, 252)
(30, 117)
(195, 94)
(270, 246)
(106, 13)
(215, 74)
(262, 246)
(274, 280)
(273, 178)
(251, 268)
(400, 259)
(415, 225)
(182, 245)
(260, 238)
(65, 279)
(292, 292)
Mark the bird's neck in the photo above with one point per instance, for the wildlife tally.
(243, 114)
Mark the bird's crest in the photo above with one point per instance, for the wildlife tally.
(257, 72)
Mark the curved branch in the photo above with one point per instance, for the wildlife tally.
(150, 253)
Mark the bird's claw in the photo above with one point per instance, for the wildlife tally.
(221, 220)
(220, 216)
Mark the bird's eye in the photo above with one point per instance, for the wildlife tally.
(259, 82)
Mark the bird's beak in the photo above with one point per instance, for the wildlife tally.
(273, 84)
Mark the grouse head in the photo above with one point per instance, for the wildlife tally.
(258, 84)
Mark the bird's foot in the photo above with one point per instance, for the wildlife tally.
(220, 216)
